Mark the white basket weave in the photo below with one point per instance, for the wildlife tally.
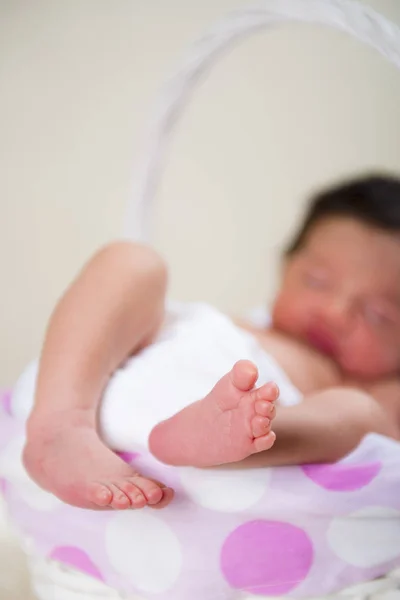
(348, 16)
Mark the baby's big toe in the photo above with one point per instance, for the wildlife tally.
(167, 497)
(244, 375)
(151, 490)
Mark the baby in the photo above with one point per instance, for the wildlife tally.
(335, 331)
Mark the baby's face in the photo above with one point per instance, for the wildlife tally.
(341, 294)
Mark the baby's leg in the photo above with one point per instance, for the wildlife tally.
(228, 425)
(112, 310)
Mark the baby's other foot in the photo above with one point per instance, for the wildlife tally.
(72, 462)
(228, 425)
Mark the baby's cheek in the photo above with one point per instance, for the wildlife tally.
(287, 314)
(285, 319)
(369, 357)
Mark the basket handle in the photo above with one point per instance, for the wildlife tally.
(349, 16)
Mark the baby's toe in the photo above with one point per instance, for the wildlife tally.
(100, 495)
(168, 496)
(268, 392)
(120, 500)
(264, 442)
(151, 490)
(260, 426)
(135, 495)
(264, 408)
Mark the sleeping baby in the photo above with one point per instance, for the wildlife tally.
(204, 390)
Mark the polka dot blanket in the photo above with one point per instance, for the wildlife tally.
(298, 531)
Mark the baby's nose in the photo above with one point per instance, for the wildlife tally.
(337, 314)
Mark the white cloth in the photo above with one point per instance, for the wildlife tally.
(197, 345)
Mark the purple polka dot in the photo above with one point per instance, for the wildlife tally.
(76, 558)
(3, 486)
(128, 457)
(266, 557)
(342, 477)
(5, 401)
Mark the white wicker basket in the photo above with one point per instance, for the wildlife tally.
(348, 16)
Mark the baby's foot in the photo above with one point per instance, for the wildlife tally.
(228, 425)
(71, 462)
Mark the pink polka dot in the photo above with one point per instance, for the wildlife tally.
(3, 486)
(76, 558)
(128, 457)
(342, 477)
(5, 401)
(266, 557)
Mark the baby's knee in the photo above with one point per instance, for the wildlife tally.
(137, 260)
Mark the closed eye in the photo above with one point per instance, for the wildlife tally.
(315, 280)
(378, 317)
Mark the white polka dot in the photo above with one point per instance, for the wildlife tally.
(366, 538)
(144, 549)
(225, 489)
(37, 498)
(13, 470)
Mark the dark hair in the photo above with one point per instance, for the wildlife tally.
(374, 200)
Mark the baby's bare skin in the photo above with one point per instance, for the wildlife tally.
(228, 425)
(116, 306)
(68, 459)
(308, 369)
(64, 453)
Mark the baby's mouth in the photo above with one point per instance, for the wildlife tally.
(321, 341)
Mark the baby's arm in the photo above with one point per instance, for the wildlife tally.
(325, 427)
(113, 309)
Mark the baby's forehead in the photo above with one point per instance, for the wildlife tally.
(356, 250)
(345, 235)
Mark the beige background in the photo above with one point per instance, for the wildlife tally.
(279, 115)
